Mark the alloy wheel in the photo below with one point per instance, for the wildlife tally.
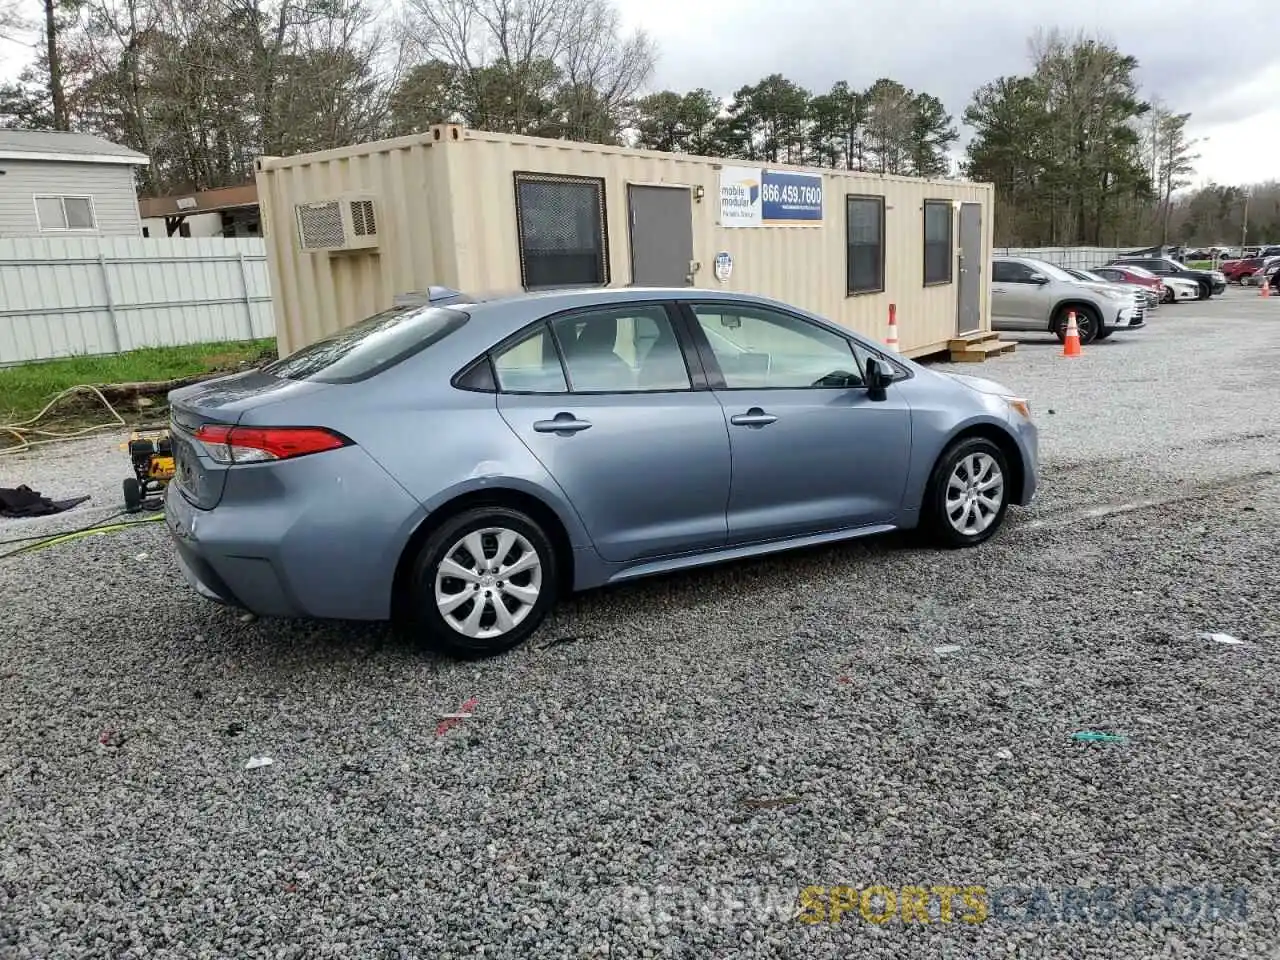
(975, 491)
(488, 583)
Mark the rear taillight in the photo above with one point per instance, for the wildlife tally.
(263, 444)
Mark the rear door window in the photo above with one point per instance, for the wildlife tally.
(531, 365)
(370, 346)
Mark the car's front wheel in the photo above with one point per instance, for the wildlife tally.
(968, 495)
(1087, 324)
(483, 582)
(1206, 292)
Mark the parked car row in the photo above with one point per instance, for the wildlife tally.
(1239, 271)
(1171, 289)
(1028, 294)
(1208, 282)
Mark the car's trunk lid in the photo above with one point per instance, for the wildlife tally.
(224, 400)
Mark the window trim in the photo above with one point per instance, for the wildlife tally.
(698, 377)
(62, 198)
(879, 199)
(951, 242)
(534, 176)
(715, 376)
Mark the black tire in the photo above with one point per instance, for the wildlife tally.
(934, 511)
(1168, 296)
(422, 614)
(132, 494)
(1206, 292)
(1105, 332)
(1088, 323)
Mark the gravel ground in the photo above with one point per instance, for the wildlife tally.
(699, 748)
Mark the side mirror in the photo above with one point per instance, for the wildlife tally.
(877, 379)
(1039, 279)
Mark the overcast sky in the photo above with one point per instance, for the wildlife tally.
(1219, 62)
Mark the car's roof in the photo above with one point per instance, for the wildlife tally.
(567, 298)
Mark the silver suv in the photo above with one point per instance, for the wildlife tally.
(1030, 294)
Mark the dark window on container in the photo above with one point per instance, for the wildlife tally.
(864, 232)
(562, 231)
(937, 242)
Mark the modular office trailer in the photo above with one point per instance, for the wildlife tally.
(350, 229)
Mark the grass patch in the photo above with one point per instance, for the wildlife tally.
(1199, 265)
(25, 389)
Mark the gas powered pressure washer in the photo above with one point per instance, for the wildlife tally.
(151, 453)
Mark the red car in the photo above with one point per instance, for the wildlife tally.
(1135, 275)
(1236, 270)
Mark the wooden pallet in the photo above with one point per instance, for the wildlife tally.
(977, 347)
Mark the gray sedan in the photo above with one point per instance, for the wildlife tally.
(460, 463)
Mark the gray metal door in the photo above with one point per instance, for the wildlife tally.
(661, 236)
(969, 292)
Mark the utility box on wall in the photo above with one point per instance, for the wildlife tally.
(349, 229)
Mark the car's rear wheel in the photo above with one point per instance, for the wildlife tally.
(483, 582)
(968, 495)
(1088, 323)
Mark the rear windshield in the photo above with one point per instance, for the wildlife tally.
(370, 346)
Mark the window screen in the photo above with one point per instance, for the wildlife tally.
(562, 235)
(937, 241)
(865, 235)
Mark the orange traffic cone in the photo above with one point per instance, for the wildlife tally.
(1071, 345)
(891, 341)
(1266, 288)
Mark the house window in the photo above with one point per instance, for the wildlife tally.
(560, 222)
(865, 236)
(937, 242)
(65, 213)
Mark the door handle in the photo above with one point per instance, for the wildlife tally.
(563, 423)
(755, 417)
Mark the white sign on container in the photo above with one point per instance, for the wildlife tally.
(740, 204)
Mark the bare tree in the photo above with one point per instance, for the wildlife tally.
(603, 70)
(13, 24)
(53, 55)
(534, 66)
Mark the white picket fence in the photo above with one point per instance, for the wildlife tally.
(96, 295)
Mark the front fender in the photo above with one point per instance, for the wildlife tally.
(925, 455)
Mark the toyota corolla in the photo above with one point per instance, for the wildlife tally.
(458, 464)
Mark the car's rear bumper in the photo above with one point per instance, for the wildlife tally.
(298, 539)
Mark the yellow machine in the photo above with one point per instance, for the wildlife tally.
(151, 453)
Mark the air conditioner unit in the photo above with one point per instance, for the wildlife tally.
(345, 223)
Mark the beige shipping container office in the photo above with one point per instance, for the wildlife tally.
(349, 229)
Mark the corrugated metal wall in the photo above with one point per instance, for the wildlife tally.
(67, 296)
(447, 210)
(1074, 258)
(315, 294)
